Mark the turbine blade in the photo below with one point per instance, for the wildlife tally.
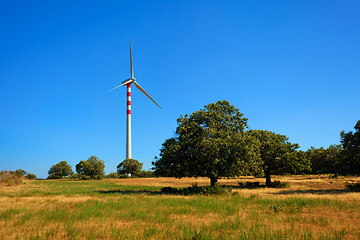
(115, 87)
(141, 89)
(131, 62)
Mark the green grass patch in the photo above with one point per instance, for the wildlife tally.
(85, 188)
(139, 212)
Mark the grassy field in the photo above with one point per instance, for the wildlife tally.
(314, 207)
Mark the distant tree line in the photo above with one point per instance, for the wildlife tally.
(215, 142)
(94, 168)
(341, 159)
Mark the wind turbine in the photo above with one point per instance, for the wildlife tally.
(128, 83)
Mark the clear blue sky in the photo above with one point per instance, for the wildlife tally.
(292, 67)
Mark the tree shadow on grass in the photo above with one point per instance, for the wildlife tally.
(312, 191)
(129, 192)
(249, 185)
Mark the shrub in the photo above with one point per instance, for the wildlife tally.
(78, 176)
(278, 184)
(31, 176)
(169, 190)
(74, 176)
(249, 184)
(10, 178)
(206, 190)
(354, 187)
(145, 174)
(218, 190)
(276, 208)
(112, 175)
(98, 177)
(52, 176)
(20, 172)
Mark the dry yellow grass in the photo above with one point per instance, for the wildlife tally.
(309, 186)
(154, 216)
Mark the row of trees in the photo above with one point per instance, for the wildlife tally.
(343, 158)
(94, 168)
(213, 142)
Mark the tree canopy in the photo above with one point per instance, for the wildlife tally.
(20, 172)
(351, 154)
(278, 155)
(210, 143)
(92, 168)
(31, 176)
(60, 170)
(325, 160)
(130, 166)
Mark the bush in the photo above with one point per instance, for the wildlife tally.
(84, 177)
(145, 174)
(278, 184)
(98, 177)
(354, 187)
(10, 178)
(74, 176)
(31, 176)
(20, 172)
(112, 175)
(249, 184)
(218, 190)
(77, 176)
(52, 176)
(276, 208)
(169, 190)
(207, 190)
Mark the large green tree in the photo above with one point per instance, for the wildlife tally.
(351, 154)
(60, 170)
(210, 143)
(92, 168)
(131, 166)
(278, 155)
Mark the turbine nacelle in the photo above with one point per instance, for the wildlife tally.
(132, 80)
(127, 81)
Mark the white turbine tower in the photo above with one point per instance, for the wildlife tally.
(128, 83)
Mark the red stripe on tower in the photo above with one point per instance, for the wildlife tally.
(128, 111)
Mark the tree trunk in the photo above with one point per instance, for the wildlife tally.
(213, 181)
(268, 177)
